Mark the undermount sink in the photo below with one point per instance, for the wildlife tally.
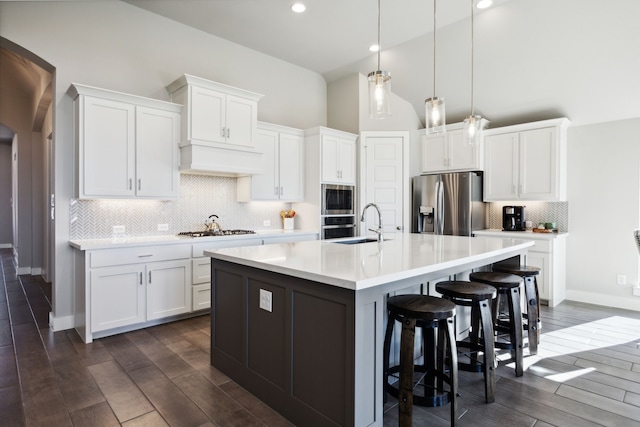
(358, 241)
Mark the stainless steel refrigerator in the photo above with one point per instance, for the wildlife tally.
(448, 203)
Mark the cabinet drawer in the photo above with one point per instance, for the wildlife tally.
(541, 246)
(201, 270)
(201, 296)
(121, 256)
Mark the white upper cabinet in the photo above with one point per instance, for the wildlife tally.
(449, 151)
(283, 177)
(219, 127)
(527, 162)
(338, 159)
(126, 146)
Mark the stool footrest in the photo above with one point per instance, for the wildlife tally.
(433, 396)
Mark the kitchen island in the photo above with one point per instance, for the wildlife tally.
(300, 325)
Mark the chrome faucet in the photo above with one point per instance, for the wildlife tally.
(379, 230)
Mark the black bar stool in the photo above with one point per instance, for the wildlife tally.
(432, 315)
(508, 287)
(533, 300)
(478, 296)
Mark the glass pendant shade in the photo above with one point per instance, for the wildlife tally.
(435, 115)
(379, 94)
(472, 129)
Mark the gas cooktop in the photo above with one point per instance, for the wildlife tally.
(215, 233)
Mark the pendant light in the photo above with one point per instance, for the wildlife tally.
(434, 107)
(379, 87)
(473, 123)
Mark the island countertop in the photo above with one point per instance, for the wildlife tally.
(361, 266)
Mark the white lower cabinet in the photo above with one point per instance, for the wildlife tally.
(117, 297)
(168, 289)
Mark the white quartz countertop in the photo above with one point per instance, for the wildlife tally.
(360, 266)
(123, 242)
(520, 234)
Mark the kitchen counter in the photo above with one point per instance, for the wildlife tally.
(360, 266)
(519, 234)
(294, 318)
(123, 242)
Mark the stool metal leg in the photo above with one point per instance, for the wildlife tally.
(453, 374)
(515, 314)
(405, 397)
(533, 315)
(489, 352)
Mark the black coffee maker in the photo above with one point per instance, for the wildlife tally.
(513, 218)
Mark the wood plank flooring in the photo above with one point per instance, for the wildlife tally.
(587, 373)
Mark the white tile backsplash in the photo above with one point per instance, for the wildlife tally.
(535, 212)
(200, 196)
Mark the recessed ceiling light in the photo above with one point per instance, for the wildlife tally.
(374, 48)
(483, 4)
(298, 7)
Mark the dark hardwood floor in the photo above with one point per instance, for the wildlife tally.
(587, 373)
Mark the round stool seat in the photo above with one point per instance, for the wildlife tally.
(496, 279)
(520, 270)
(421, 307)
(466, 290)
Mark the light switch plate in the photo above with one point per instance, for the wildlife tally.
(118, 229)
(266, 300)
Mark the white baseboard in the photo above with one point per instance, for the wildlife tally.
(61, 323)
(627, 303)
(36, 271)
(24, 270)
(5, 245)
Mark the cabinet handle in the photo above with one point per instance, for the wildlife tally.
(520, 190)
(281, 191)
(130, 184)
(228, 133)
(141, 278)
(145, 256)
(139, 184)
(222, 132)
(149, 277)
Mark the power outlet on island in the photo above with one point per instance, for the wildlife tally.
(266, 300)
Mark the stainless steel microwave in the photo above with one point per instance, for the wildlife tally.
(337, 199)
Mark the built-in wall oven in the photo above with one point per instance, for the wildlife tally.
(337, 199)
(337, 226)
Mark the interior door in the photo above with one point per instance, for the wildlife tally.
(384, 181)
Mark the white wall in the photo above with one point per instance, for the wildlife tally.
(604, 209)
(117, 46)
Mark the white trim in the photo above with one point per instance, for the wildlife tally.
(24, 270)
(61, 323)
(626, 303)
(5, 245)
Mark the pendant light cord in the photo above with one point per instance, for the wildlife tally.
(434, 47)
(379, 47)
(472, 49)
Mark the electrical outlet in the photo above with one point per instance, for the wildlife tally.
(163, 227)
(266, 300)
(118, 229)
(621, 279)
(266, 223)
(636, 291)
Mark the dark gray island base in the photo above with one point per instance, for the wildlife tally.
(316, 357)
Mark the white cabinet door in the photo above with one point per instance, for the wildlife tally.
(106, 148)
(207, 115)
(501, 167)
(117, 297)
(265, 186)
(542, 261)
(168, 288)
(290, 166)
(462, 156)
(538, 177)
(347, 161)
(157, 138)
(241, 121)
(434, 153)
(330, 168)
